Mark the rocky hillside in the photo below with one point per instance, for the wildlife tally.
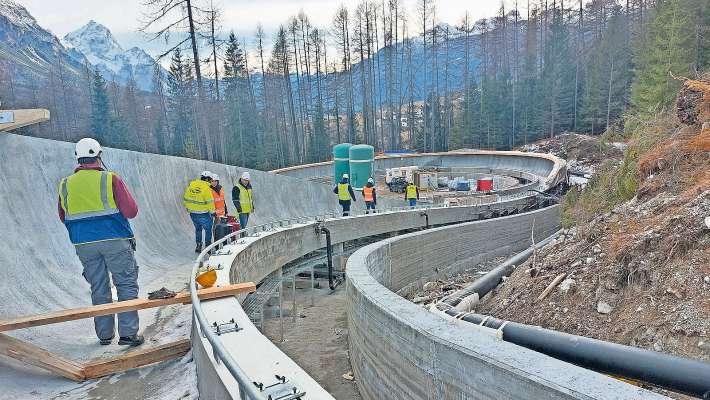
(635, 272)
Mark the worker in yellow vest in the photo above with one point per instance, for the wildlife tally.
(345, 194)
(95, 206)
(199, 203)
(243, 199)
(370, 196)
(411, 194)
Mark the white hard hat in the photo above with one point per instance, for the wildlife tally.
(87, 147)
(206, 174)
(346, 176)
(371, 180)
(246, 176)
(215, 177)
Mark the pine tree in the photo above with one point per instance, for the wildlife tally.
(100, 113)
(669, 45)
(180, 104)
(608, 76)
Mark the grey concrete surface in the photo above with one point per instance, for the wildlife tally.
(400, 350)
(255, 257)
(40, 271)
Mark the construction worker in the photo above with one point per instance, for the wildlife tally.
(199, 203)
(370, 196)
(411, 194)
(95, 206)
(345, 194)
(220, 207)
(243, 199)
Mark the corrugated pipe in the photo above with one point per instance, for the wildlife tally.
(678, 374)
(490, 280)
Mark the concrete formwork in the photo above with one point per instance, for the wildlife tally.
(400, 350)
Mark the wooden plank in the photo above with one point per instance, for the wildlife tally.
(122, 306)
(136, 359)
(25, 117)
(33, 355)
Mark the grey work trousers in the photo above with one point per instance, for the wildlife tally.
(115, 257)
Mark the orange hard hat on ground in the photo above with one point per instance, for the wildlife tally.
(207, 279)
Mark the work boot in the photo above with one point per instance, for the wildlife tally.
(106, 342)
(198, 249)
(133, 341)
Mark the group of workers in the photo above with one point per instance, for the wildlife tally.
(204, 201)
(95, 206)
(346, 194)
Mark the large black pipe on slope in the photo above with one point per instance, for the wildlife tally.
(664, 370)
(490, 280)
(329, 251)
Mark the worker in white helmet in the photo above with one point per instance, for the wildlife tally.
(345, 193)
(243, 199)
(370, 196)
(95, 206)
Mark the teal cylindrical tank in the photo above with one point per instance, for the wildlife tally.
(341, 160)
(362, 160)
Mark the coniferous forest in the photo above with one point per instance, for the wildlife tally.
(386, 77)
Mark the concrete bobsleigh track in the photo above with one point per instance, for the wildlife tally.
(40, 272)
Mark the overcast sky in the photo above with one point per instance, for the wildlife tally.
(122, 17)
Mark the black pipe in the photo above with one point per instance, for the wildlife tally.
(678, 374)
(490, 280)
(424, 214)
(329, 251)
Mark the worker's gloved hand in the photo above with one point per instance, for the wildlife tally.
(132, 241)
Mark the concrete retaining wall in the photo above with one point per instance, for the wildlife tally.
(400, 350)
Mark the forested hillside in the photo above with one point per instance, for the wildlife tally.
(382, 76)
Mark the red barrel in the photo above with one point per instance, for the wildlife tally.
(484, 184)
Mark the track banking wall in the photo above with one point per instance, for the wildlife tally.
(400, 350)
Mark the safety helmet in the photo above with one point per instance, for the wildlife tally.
(206, 174)
(87, 147)
(246, 176)
(346, 176)
(370, 180)
(215, 177)
(207, 279)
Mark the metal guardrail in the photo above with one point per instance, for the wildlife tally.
(247, 389)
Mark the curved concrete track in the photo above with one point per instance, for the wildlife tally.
(400, 350)
(40, 272)
(550, 170)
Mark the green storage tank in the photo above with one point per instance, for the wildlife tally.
(341, 160)
(362, 161)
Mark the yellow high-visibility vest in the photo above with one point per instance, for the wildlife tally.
(246, 199)
(411, 191)
(343, 192)
(198, 197)
(87, 193)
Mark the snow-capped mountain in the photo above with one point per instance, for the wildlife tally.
(101, 49)
(24, 43)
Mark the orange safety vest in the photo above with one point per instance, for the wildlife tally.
(368, 193)
(218, 202)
